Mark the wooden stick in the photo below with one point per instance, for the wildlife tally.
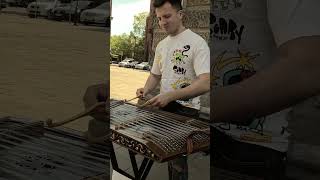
(86, 112)
(144, 104)
(132, 99)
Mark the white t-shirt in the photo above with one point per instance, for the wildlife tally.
(179, 60)
(242, 46)
(291, 19)
(245, 36)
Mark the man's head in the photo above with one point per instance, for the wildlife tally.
(169, 14)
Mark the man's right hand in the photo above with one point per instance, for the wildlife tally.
(140, 93)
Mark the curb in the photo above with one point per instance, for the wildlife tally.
(14, 12)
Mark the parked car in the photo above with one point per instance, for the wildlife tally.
(124, 62)
(131, 64)
(98, 15)
(3, 4)
(62, 12)
(42, 7)
(23, 3)
(143, 66)
(11, 2)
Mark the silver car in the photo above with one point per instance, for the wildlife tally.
(143, 66)
(131, 64)
(98, 15)
(125, 61)
(62, 12)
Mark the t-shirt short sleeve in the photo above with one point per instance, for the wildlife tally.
(156, 62)
(291, 19)
(202, 58)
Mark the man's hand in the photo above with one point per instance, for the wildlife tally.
(94, 94)
(152, 81)
(140, 92)
(161, 100)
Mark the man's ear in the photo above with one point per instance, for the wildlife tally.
(181, 14)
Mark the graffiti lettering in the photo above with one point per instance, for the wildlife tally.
(223, 29)
(179, 70)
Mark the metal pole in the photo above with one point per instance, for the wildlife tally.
(70, 9)
(35, 12)
(0, 6)
(76, 14)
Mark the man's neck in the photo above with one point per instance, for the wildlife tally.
(180, 30)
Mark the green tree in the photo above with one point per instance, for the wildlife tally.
(139, 24)
(121, 44)
(132, 43)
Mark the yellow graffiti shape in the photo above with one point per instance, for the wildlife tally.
(243, 60)
(180, 82)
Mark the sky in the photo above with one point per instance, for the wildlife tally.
(123, 12)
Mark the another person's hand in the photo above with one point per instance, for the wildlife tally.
(94, 94)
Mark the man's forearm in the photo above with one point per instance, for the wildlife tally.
(151, 83)
(198, 87)
(292, 79)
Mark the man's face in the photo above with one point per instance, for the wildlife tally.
(169, 18)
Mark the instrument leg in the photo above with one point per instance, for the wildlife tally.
(134, 163)
(142, 172)
(115, 165)
(147, 169)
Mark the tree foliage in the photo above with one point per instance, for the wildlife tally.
(131, 44)
(139, 24)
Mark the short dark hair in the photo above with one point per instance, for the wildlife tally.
(174, 3)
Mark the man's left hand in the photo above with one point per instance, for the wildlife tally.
(161, 100)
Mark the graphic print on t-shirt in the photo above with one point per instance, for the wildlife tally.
(182, 83)
(178, 56)
(226, 6)
(225, 29)
(233, 67)
(230, 69)
(178, 59)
